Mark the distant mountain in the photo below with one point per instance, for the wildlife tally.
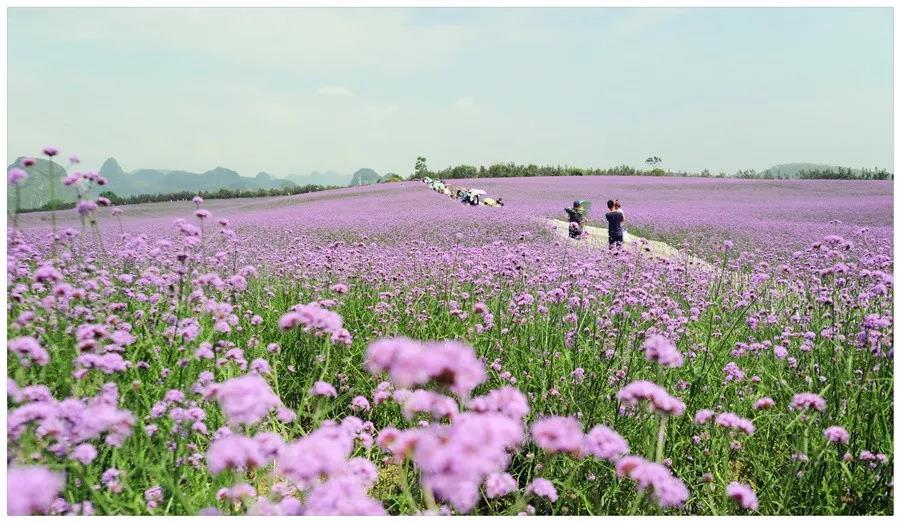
(327, 178)
(390, 177)
(35, 191)
(156, 181)
(792, 170)
(364, 176)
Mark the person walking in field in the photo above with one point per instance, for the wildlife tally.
(614, 219)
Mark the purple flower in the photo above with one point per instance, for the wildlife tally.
(731, 420)
(558, 434)
(260, 366)
(46, 273)
(668, 490)
(28, 162)
(84, 453)
(412, 363)
(85, 206)
(836, 435)
(764, 403)
(360, 403)
(323, 389)
(51, 151)
(322, 453)
(317, 320)
(743, 495)
(704, 416)
(506, 400)
(455, 459)
(808, 401)
(234, 452)
(29, 350)
(342, 496)
(658, 349)
(31, 490)
(499, 484)
(733, 372)
(542, 487)
(604, 443)
(659, 400)
(425, 401)
(15, 176)
(245, 400)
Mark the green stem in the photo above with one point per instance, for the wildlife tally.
(661, 439)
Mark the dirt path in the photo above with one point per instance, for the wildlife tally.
(598, 238)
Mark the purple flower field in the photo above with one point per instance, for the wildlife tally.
(387, 350)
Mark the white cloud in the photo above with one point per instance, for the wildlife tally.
(334, 90)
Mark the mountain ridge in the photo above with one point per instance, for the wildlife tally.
(35, 191)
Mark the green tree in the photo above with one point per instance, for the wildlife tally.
(421, 169)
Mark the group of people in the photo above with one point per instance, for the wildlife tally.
(615, 217)
(468, 196)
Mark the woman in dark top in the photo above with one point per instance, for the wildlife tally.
(614, 219)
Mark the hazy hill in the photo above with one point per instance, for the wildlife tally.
(364, 176)
(35, 191)
(328, 178)
(390, 177)
(153, 181)
(792, 170)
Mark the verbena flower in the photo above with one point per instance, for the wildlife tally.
(499, 484)
(15, 175)
(808, 401)
(245, 400)
(323, 389)
(742, 495)
(317, 320)
(836, 435)
(410, 363)
(558, 434)
(31, 490)
(542, 487)
(604, 443)
(764, 403)
(732, 421)
(668, 490)
(657, 398)
(658, 349)
(29, 350)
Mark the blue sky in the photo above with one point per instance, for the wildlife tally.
(296, 90)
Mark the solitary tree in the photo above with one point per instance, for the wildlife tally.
(421, 169)
(652, 161)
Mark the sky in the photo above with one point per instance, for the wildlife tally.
(290, 91)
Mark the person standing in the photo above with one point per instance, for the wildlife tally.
(576, 219)
(614, 220)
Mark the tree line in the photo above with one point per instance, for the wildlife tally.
(829, 173)
(513, 170)
(185, 195)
